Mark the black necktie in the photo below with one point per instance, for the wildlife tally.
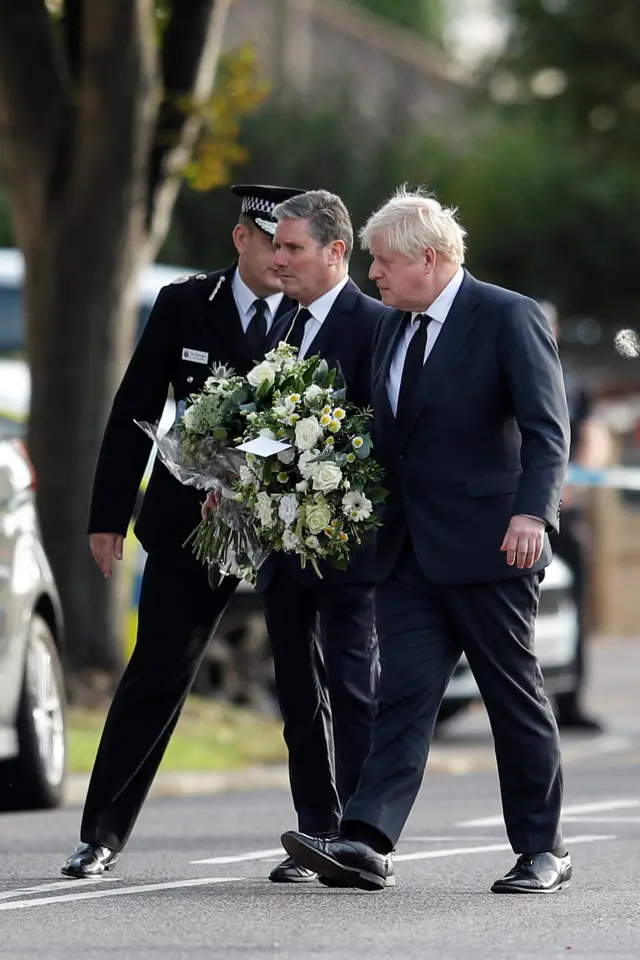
(257, 330)
(297, 330)
(413, 364)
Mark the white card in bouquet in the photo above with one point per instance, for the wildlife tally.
(263, 447)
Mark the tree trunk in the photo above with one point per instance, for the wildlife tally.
(95, 140)
(77, 341)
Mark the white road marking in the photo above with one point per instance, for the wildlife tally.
(579, 819)
(433, 838)
(571, 752)
(566, 811)
(56, 885)
(489, 848)
(241, 857)
(116, 892)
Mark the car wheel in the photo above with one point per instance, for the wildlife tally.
(36, 777)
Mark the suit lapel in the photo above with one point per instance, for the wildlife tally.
(386, 351)
(456, 329)
(332, 327)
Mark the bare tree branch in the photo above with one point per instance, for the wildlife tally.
(190, 53)
(34, 109)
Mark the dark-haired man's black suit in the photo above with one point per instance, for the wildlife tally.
(321, 630)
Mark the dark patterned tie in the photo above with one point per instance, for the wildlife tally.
(297, 330)
(257, 330)
(413, 364)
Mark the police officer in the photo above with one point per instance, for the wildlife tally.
(221, 317)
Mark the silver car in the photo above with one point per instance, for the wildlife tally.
(32, 703)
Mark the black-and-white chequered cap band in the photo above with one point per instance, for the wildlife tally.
(257, 205)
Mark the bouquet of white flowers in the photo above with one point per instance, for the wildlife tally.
(292, 457)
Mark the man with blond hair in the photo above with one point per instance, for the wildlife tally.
(472, 427)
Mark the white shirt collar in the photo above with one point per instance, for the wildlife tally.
(245, 298)
(320, 308)
(441, 306)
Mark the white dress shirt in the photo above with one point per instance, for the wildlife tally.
(245, 299)
(438, 311)
(319, 311)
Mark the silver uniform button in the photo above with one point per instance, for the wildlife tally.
(189, 379)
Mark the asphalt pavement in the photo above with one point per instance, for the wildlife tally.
(192, 882)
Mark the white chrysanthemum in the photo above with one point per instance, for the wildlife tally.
(356, 506)
(290, 541)
(246, 476)
(313, 543)
(288, 509)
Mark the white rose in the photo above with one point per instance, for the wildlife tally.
(303, 486)
(327, 476)
(308, 432)
(307, 463)
(264, 509)
(313, 543)
(264, 373)
(288, 510)
(313, 393)
(287, 456)
(269, 434)
(318, 517)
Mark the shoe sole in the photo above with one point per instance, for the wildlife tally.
(293, 879)
(328, 867)
(326, 882)
(82, 875)
(524, 890)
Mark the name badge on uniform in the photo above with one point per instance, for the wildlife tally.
(196, 356)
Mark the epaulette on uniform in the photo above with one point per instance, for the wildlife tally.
(193, 276)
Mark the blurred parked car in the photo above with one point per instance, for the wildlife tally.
(556, 644)
(32, 703)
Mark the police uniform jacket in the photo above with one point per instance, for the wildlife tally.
(194, 324)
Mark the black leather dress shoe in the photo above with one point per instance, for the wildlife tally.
(390, 879)
(291, 872)
(349, 862)
(89, 860)
(536, 873)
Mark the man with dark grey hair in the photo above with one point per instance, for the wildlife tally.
(321, 629)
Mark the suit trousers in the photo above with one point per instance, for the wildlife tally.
(423, 629)
(177, 611)
(326, 669)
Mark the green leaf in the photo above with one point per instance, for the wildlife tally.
(378, 494)
(239, 396)
(321, 372)
(219, 433)
(263, 390)
(340, 563)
